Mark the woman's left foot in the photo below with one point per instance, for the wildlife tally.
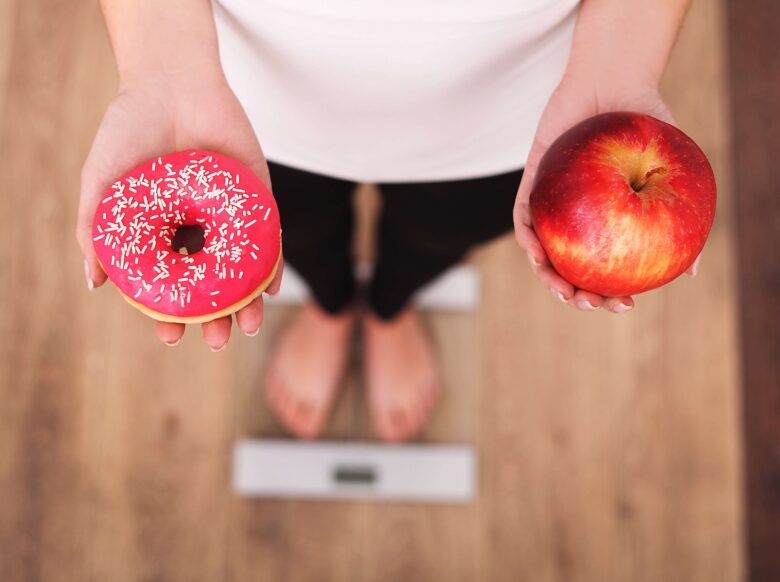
(401, 374)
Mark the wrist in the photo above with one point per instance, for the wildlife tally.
(171, 40)
(177, 91)
(174, 78)
(610, 75)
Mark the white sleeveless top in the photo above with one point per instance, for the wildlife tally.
(395, 91)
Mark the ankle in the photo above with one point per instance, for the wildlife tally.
(346, 315)
(406, 315)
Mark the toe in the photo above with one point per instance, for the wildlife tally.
(305, 420)
(273, 394)
(388, 424)
(399, 424)
(300, 418)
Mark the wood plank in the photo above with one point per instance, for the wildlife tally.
(755, 105)
(44, 429)
(8, 25)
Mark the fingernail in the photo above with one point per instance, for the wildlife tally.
(622, 308)
(219, 349)
(90, 283)
(695, 266)
(558, 295)
(172, 344)
(253, 333)
(533, 261)
(586, 305)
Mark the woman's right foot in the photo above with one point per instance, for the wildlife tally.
(306, 369)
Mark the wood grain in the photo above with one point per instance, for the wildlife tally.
(754, 82)
(609, 446)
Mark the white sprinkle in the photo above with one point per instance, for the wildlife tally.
(267, 212)
(213, 292)
(213, 303)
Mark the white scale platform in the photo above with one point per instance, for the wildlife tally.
(346, 470)
(336, 470)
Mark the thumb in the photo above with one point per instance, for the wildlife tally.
(524, 232)
(276, 284)
(694, 268)
(92, 187)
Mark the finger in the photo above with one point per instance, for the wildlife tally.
(618, 304)
(694, 268)
(529, 242)
(250, 317)
(587, 301)
(529, 171)
(169, 333)
(217, 333)
(276, 284)
(558, 286)
(92, 187)
(524, 232)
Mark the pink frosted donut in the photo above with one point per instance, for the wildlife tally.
(228, 250)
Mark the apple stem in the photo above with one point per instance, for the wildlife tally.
(640, 183)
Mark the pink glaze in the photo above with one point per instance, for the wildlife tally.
(136, 219)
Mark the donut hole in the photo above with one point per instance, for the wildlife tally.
(188, 239)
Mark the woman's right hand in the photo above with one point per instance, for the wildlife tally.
(158, 114)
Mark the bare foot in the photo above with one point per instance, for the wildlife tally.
(306, 369)
(401, 374)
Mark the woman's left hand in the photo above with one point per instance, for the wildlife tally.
(576, 99)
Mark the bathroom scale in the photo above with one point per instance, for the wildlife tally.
(431, 473)
(349, 470)
(457, 289)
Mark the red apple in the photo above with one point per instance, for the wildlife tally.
(622, 203)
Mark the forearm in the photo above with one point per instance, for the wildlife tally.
(162, 37)
(627, 41)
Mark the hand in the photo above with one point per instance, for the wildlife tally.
(574, 100)
(156, 115)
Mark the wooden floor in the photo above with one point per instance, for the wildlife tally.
(754, 87)
(609, 446)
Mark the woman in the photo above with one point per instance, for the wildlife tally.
(448, 105)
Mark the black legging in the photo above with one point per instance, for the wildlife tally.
(425, 228)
